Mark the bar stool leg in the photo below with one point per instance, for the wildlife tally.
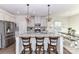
(39, 49)
(43, 50)
(48, 49)
(36, 50)
(23, 52)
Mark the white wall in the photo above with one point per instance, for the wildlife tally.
(64, 24)
(21, 23)
(71, 21)
(74, 22)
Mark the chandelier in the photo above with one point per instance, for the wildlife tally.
(28, 17)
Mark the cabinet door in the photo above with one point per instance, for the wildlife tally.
(43, 22)
(6, 17)
(1, 16)
(37, 20)
(66, 51)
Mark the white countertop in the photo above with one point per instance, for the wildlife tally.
(72, 50)
(34, 35)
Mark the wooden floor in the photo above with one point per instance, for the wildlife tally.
(33, 52)
(44, 53)
(9, 50)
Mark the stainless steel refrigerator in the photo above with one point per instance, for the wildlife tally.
(7, 33)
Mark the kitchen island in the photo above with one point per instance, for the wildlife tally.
(19, 46)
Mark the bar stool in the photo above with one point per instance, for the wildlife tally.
(26, 45)
(39, 45)
(52, 46)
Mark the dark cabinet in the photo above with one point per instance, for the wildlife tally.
(10, 38)
(7, 30)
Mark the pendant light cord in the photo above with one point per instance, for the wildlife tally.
(27, 9)
(48, 11)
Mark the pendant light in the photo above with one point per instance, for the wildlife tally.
(49, 18)
(27, 9)
(48, 12)
(28, 16)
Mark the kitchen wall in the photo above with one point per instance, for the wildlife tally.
(64, 24)
(70, 21)
(74, 22)
(21, 24)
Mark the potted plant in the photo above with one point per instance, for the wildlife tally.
(73, 32)
(69, 30)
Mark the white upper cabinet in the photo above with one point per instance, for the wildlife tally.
(1, 16)
(6, 16)
(9, 18)
(37, 20)
(43, 22)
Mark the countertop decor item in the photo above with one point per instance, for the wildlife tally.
(69, 30)
(73, 32)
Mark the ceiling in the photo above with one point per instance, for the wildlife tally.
(41, 9)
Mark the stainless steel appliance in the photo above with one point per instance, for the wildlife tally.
(7, 33)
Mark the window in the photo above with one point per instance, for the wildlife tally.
(57, 24)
